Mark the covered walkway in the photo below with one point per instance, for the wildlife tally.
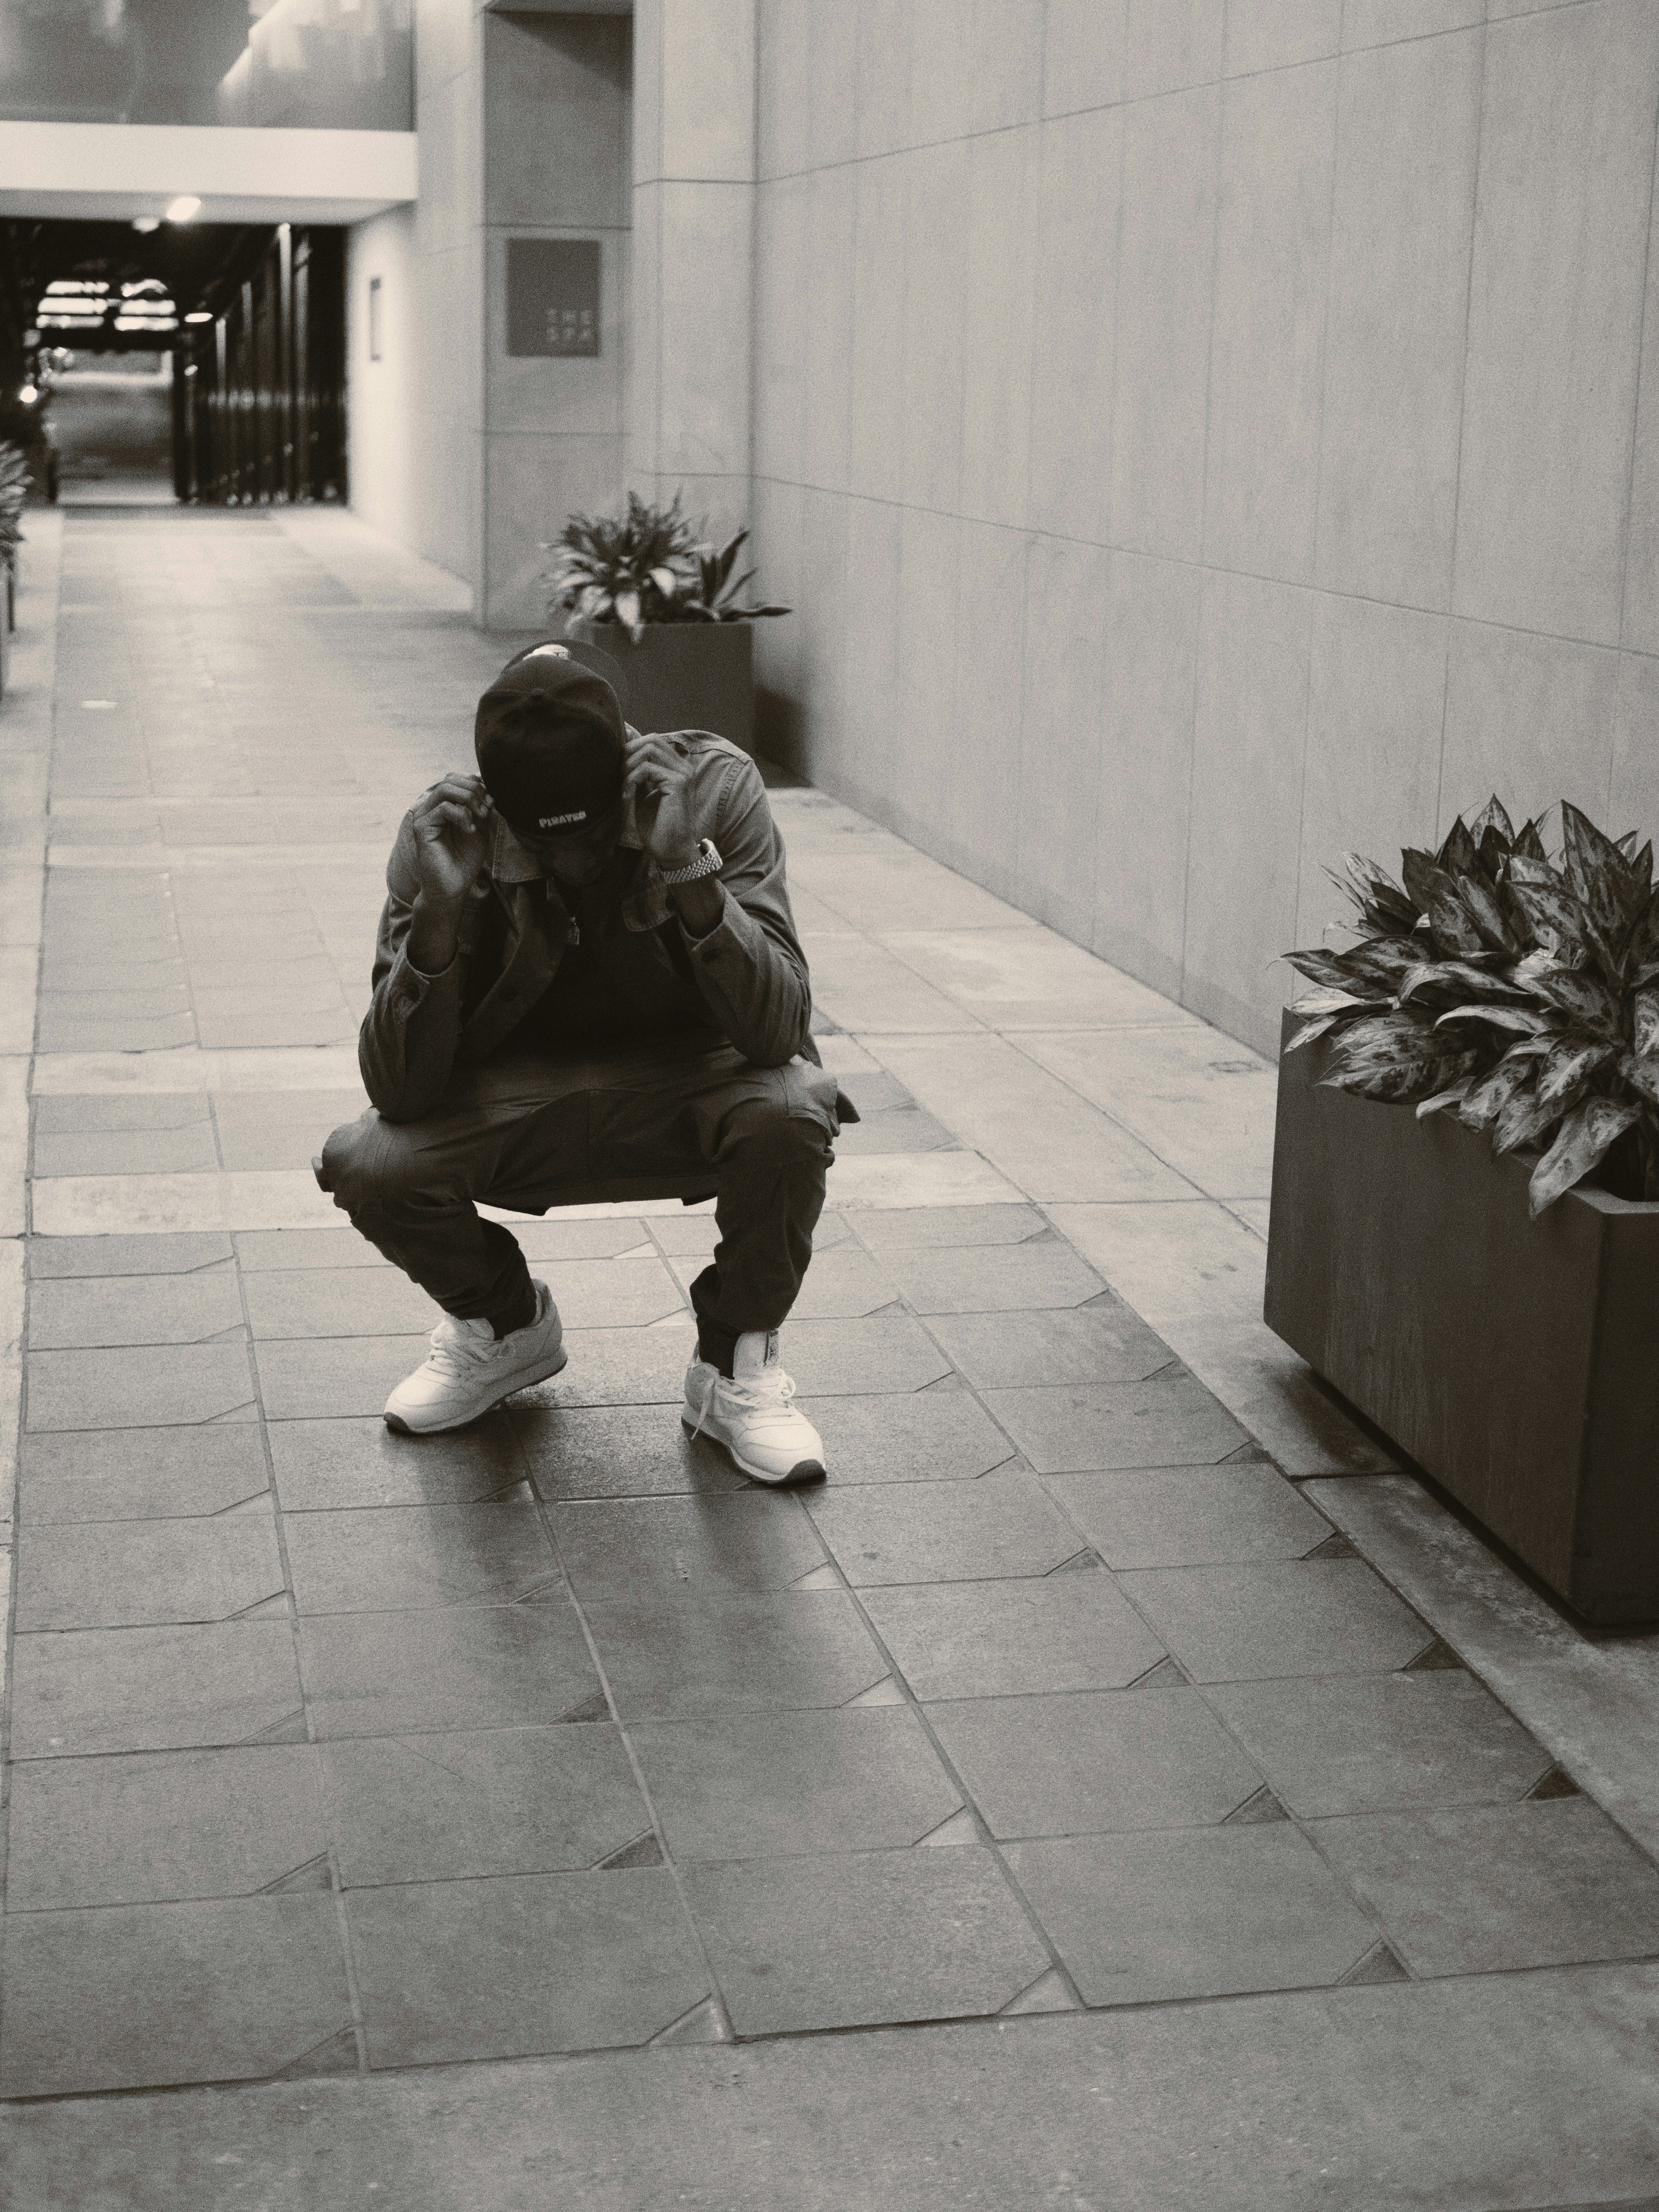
(1114, 1673)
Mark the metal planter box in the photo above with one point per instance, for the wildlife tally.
(684, 676)
(1516, 1362)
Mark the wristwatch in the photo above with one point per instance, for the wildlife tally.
(708, 863)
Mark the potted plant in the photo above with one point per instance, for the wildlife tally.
(1481, 1279)
(665, 605)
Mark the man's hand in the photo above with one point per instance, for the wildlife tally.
(451, 824)
(657, 778)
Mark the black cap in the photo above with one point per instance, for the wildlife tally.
(548, 735)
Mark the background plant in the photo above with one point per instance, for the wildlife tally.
(13, 483)
(1520, 993)
(648, 565)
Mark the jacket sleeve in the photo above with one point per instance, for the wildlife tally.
(749, 966)
(407, 1045)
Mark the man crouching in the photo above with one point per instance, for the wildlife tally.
(588, 986)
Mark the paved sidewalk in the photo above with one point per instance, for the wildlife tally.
(333, 1752)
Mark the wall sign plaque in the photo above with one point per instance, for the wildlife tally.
(552, 297)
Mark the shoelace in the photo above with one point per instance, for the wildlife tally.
(454, 1349)
(769, 1396)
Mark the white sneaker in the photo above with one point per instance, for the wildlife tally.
(750, 1413)
(469, 1368)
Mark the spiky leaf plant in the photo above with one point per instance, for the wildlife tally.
(647, 565)
(632, 569)
(1520, 994)
(715, 596)
(14, 484)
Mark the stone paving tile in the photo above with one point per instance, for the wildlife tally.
(83, 1312)
(801, 1648)
(996, 1278)
(1185, 1517)
(1016, 1639)
(102, 1113)
(152, 1689)
(621, 1550)
(322, 1464)
(160, 1386)
(1488, 1889)
(337, 1302)
(586, 1240)
(895, 1129)
(184, 1151)
(326, 1378)
(765, 1785)
(404, 1558)
(926, 1436)
(504, 1968)
(278, 1129)
(259, 1249)
(162, 1826)
(1169, 1420)
(843, 1284)
(1089, 1761)
(619, 1451)
(911, 1228)
(621, 1367)
(181, 1254)
(139, 1475)
(395, 1674)
(1239, 1623)
(60, 1027)
(852, 1941)
(1370, 1743)
(1197, 1912)
(442, 1808)
(219, 1991)
(836, 1359)
(1002, 1525)
(127, 1574)
(1012, 1350)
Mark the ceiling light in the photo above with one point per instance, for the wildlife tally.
(28, 394)
(147, 224)
(185, 209)
(199, 315)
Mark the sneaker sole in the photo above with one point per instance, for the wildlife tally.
(396, 1421)
(802, 1472)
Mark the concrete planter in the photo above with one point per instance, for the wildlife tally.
(684, 676)
(1516, 1362)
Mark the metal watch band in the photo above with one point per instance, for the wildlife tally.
(708, 863)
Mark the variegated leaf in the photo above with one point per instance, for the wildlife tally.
(1442, 1099)
(1325, 1002)
(1645, 1018)
(1581, 995)
(1571, 1062)
(1642, 1075)
(1452, 924)
(1598, 873)
(1492, 1092)
(1493, 817)
(1516, 1021)
(1581, 1144)
(1521, 1120)
(1309, 1030)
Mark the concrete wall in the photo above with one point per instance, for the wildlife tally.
(1201, 438)
(557, 93)
(414, 424)
(689, 402)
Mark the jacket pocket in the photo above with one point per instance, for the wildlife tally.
(813, 1095)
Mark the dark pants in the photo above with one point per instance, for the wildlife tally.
(526, 1134)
